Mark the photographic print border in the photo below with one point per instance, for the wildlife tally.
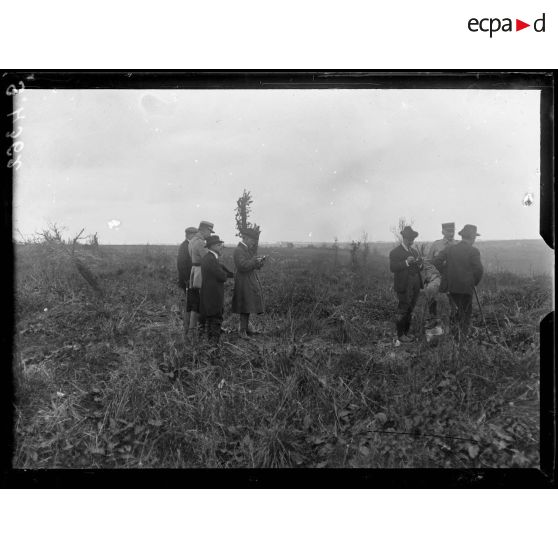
(14, 82)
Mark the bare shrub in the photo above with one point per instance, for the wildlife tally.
(62, 248)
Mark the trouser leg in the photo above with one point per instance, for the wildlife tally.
(412, 295)
(214, 328)
(404, 311)
(407, 322)
(194, 320)
(203, 326)
(464, 308)
(194, 305)
(185, 312)
(402, 323)
(401, 313)
(463, 304)
(455, 312)
(467, 309)
(244, 321)
(453, 309)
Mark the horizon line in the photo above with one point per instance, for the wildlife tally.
(299, 242)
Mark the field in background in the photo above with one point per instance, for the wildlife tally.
(107, 381)
(521, 257)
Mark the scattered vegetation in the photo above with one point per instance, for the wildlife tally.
(108, 381)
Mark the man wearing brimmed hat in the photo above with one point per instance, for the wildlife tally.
(212, 292)
(464, 271)
(184, 267)
(247, 296)
(197, 251)
(434, 281)
(405, 263)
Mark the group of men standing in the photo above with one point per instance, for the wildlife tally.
(202, 276)
(450, 267)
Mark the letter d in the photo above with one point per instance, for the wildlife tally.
(541, 30)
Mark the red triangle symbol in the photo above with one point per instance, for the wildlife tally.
(519, 25)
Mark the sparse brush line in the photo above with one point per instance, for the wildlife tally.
(53, 239)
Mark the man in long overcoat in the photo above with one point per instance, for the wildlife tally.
(440, 285)
(184, 267)
(197, 250)
(212, 292)
(247, 295)
(464, 271)
(405, 263)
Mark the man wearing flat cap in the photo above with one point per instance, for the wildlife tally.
(405, 263)
(435, 281)
(184, 267)
(212, 292)
(247, 296)
(464, 272)
(197, 251)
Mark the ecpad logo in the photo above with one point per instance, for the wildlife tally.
(493, 25)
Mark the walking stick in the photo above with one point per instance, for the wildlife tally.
(482, 314)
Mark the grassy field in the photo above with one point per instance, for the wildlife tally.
(104, 378)
(522, 257)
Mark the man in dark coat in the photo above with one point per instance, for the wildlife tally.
(405, 263)
(247, 296)
(197, 250)
(184, 267)
(448, 232)
(212, 292)
(462, 265)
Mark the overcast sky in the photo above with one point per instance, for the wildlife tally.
(319, 163)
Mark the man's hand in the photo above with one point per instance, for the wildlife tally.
(229, 273)
(410, 260)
